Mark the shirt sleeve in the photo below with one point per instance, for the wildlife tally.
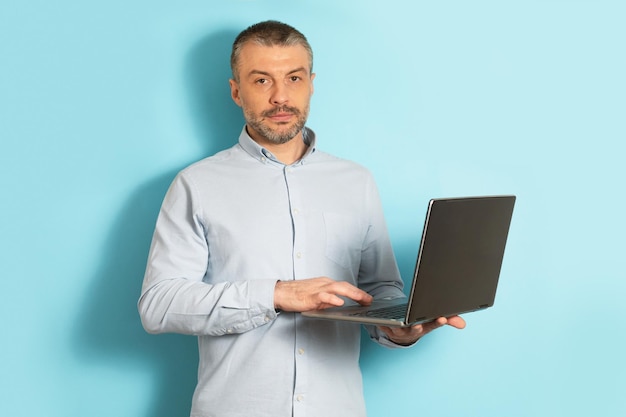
(378, 273)
(174, 297)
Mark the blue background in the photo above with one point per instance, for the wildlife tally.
(101, 103)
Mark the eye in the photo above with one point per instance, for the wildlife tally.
(261, 81)
(295, 78)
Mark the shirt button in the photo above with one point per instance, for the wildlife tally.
(299, 398)
(301, 351)
(296, 211)
(298, 255)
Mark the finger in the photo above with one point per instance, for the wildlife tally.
(432, 325)
(348, 290)
(403, 335)
(393, 330)
(457, 322)
(396, 333)
(328, 299)
(386, 330)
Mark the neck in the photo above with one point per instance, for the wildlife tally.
(288, 152)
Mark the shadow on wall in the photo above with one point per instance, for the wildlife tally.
(109, 330)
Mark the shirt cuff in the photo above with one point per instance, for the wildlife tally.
(263, 292)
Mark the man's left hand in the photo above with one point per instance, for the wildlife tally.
(410, 335)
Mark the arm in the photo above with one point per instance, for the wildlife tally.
(406, 336)
(378, 272)
(175, 298)
(378, 261)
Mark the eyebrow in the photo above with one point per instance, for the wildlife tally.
(293, 71)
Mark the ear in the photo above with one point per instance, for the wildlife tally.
(312, 78)
(234, 91)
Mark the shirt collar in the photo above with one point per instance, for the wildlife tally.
(264, 155)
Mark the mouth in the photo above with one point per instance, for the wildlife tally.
(280, 115)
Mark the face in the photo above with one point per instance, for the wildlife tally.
(274, 89)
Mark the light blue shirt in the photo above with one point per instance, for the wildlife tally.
(232, 225)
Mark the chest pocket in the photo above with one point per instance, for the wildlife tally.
(344, 239)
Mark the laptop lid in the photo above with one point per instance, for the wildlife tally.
(458, 263)
(460, 256)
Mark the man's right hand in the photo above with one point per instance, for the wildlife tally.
(316, 294)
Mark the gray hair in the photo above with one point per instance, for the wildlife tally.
(268, 33)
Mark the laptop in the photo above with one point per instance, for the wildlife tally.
(457, 269)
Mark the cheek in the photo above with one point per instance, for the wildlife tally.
(251, 101)
(248, 107)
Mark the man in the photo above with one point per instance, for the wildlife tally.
(271, 227)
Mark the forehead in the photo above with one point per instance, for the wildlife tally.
(272, 59)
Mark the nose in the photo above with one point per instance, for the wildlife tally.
(279, 94)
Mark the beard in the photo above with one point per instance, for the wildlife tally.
(273, 135)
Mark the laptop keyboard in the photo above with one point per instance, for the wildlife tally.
(392, 312)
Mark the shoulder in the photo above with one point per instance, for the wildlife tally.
(339, 166)
(218, 161)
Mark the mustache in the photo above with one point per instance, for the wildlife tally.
(281, 109)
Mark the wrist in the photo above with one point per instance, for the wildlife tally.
(277, 298)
